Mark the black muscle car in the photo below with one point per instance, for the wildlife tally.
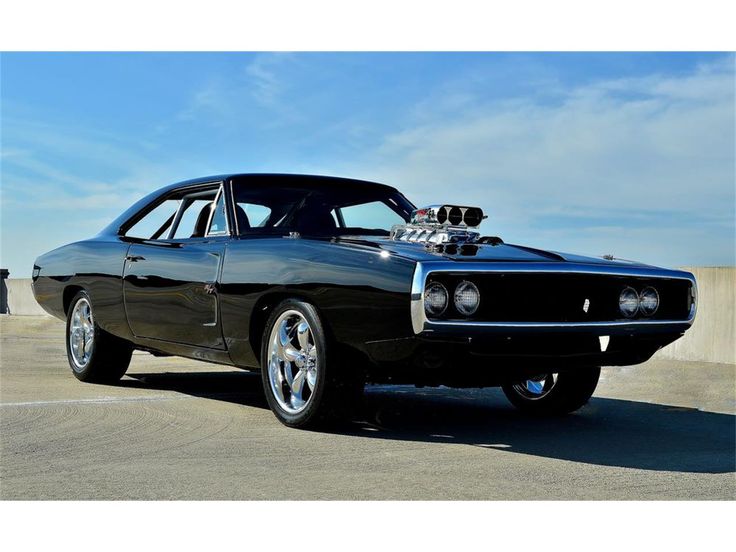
(325, 284)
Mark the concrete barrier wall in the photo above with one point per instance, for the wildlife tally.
(20, 297)
(713, 335)
(711, 339)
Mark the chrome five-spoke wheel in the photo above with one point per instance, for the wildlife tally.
(305, 377)
(293, 362)
(81, 334)
(94, 355)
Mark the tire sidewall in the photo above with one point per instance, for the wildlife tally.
(314, 409)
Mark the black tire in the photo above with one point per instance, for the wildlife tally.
(110, 355)
(338, 387)
(568, 393)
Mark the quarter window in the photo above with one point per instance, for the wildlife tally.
(218, 224)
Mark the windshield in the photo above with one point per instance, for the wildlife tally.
(313, 208)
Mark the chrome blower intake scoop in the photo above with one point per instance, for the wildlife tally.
(441, 224)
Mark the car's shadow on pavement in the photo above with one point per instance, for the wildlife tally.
(608, 432)
(236, 387)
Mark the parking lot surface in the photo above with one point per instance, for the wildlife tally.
(180, 429)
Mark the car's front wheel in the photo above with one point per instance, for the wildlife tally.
(554, 393)
(304, 381)
(94, 355)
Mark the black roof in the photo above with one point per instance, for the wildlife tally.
(309, 180)
(304, 180)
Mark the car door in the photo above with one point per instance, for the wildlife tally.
(170, 286)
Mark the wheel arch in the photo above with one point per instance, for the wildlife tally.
(69, 293)
(263, 308)
(267, 303)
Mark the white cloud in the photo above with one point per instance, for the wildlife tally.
(266, 85)
(256, 93)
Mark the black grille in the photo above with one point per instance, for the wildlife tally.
(535, 297)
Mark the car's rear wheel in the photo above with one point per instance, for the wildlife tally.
(554, 393)
(94, 355)
(304, 381)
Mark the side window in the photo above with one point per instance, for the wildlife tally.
(155, 224)
(256, 216)
(190, 218)
(218, 226)
(373, 215)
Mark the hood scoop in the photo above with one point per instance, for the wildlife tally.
(443, 224)
(449, 216)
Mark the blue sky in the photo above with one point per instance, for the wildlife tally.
(630, 154)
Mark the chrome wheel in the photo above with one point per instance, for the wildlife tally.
(536, 387)
(293, 362)
(81, 334)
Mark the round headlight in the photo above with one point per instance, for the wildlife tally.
(435, 299)
(648, 301)
(467, 298)
(628, 302)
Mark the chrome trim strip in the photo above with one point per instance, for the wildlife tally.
(694, 296)
(612, 324)
(220, 193)
(233, 211)
(420, 322)
(418, 317)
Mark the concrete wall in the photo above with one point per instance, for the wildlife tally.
(20, 297)
(711, 339)
(713, 335)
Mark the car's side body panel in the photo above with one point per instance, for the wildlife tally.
(95, 265)
(363, 295)
(169, 291)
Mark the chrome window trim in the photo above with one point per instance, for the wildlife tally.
(421, 323)
(233, 209)
(208, 234)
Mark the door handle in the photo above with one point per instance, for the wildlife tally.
(135, 258)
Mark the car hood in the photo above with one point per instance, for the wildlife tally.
(501, 252)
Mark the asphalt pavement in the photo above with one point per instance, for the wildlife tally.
(181, 429)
